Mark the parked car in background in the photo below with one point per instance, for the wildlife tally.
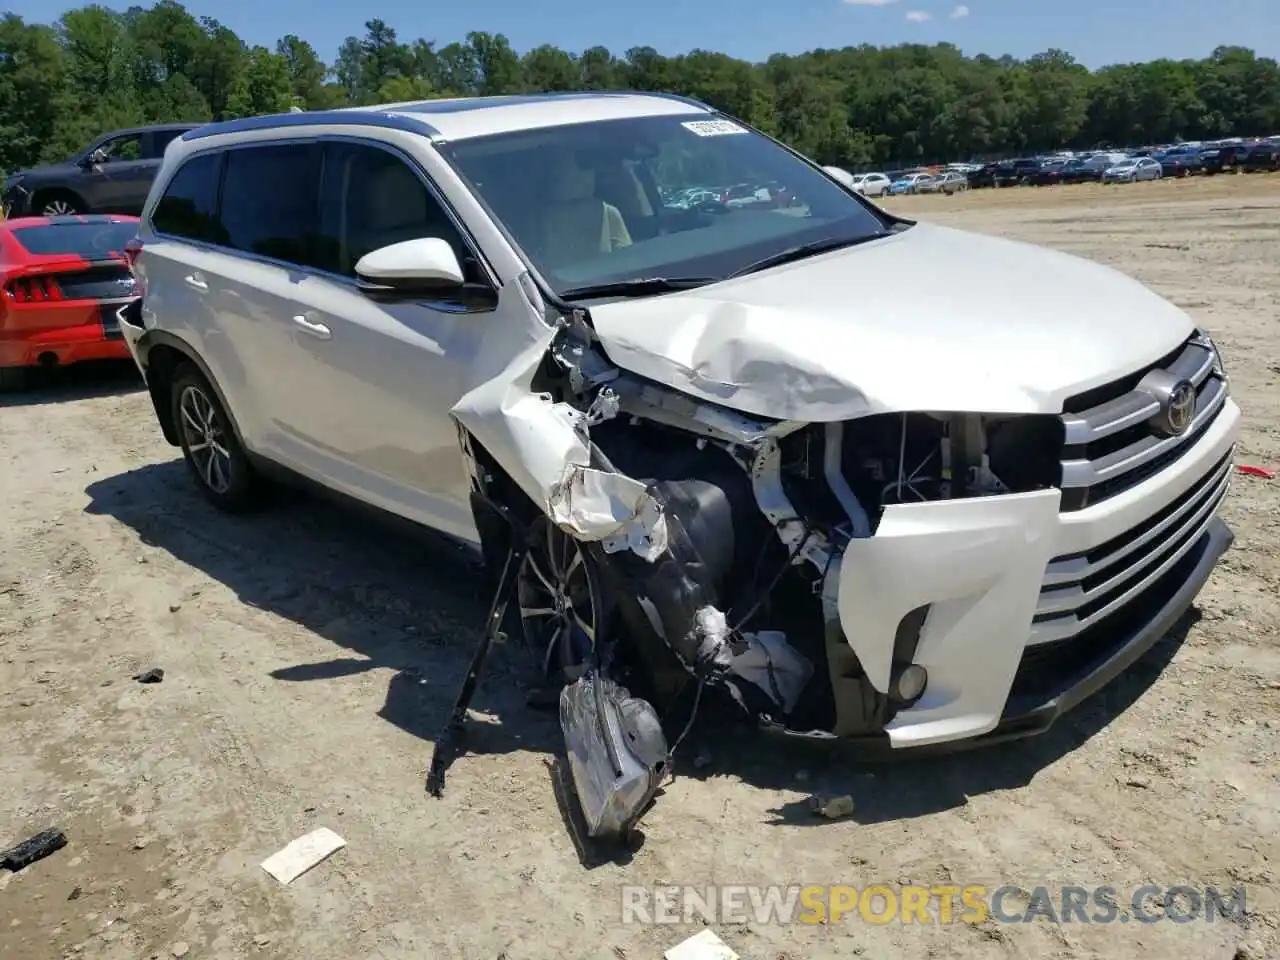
(871, 184)
(909, 183)
(1224, 159)
(1012, 173)
(947, 183)
(1078, 170)
(110, 175)
(65, 287)
(1131, 170)
(984, 176)
(1180, 161)
(1262, 157)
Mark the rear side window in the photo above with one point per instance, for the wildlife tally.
(189, 207)
(269, 201)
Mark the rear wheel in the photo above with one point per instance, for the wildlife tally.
(214, 455)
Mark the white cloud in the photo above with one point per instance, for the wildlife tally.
(869, 3)
(960, 12)
(919, 16)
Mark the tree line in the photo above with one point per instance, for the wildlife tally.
(98, 69)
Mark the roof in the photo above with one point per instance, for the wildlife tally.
(466, 117)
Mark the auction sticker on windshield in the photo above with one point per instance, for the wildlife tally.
(712, 128)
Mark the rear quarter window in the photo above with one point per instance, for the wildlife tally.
(189, 206)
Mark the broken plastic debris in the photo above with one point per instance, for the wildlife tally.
(773, 665)
(1253, 471)
(32, 849)
(154, 675)
(833, 808)
(712, 628)
(617, 753)
(701, 946)
(302, 854)
(593, 505)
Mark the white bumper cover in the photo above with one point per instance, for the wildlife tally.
(987, 568)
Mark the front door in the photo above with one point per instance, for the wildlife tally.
(119, 183)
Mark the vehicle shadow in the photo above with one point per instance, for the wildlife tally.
(409, 601)
(415, 604)
(79, 381)
(899, 789)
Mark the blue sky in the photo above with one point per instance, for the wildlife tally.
(1097, 32)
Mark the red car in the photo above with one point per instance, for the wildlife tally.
(64, 284)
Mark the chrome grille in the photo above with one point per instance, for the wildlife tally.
(1079, 590)
(1109, 444)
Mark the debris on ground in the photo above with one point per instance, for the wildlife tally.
(35, 848)
(833, 808)
(301, 855)
(701, 946)
(1252, 471)
(154, 675)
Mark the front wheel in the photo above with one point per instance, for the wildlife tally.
(214, 455)
(59, 205)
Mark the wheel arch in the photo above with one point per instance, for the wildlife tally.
(43, 194)
(160, 353)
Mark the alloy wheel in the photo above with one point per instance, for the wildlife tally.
(58, 208)
(204, 437)
(559, 602)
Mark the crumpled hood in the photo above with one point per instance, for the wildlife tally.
(927, 319)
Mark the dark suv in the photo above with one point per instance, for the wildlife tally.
(111, 175)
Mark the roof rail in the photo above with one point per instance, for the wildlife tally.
(350, 118)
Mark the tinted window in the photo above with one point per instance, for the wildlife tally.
(189, 205)
(588, 203)
(91, 241)
(372, 198)
(128, 147)
(158, 140)
(269, 199)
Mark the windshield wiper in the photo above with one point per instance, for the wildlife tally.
(810, 249)
(636, 287)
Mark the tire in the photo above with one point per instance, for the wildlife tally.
(13, 379)
(225, 477)
(57, 203)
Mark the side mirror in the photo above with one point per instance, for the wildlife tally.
(422, 265)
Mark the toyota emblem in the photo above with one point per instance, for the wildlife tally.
(1180, 408)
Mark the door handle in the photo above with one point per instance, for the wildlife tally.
(197, 282)
(310, 327)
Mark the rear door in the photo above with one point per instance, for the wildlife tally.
(189, 284)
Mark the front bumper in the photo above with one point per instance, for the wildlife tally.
(1031, 609)
(15, 201)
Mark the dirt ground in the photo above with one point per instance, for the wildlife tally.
(309, 660)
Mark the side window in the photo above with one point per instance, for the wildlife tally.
(123, 148)
(153, 144)
(269, 201)
(372, 198)
(189, 205)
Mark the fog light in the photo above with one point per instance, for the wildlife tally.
(910, 683)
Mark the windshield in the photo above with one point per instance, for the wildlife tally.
(673, 196)
(91, 241)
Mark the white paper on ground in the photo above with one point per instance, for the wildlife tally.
(701, 946)
(302, 854)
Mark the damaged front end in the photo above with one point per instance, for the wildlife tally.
(738, 552)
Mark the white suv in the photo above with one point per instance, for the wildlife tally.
(881, 503)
